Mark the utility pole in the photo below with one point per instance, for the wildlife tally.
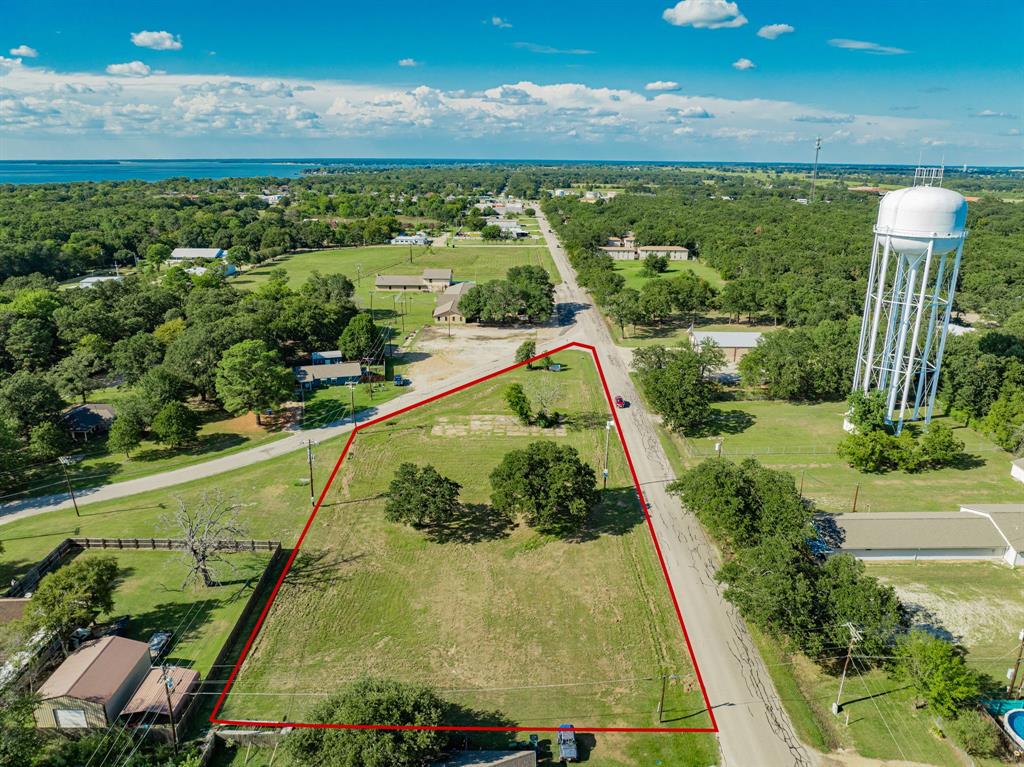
(1013, 673)
(814, 175)
(65, 461)
(168, 687)
(352, 398)
(855, 636)
(607, 440)
(661, 701)
(856, 492)
(309, 459)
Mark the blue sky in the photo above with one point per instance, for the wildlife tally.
(880, 81)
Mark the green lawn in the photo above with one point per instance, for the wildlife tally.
(403, 312)
(801, 439)
(632, 271)
(532, 629)
(151, 594)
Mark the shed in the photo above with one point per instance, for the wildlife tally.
(328, 356)
(84, 421)
(735, 343)
(953, 535)
(92, 685)
(329, 374)
(149, 702)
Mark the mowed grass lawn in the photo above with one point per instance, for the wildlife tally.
(509, 625)
(150, 592)
(632, 271)
(475, 262)
(801, 439)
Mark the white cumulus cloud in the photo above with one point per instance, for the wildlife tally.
(743, 64)
(129, 69)
(993, 113)
(26, 51)
(158, 41)
(408, 63)
(662, 85)
(773, 31)
(499, 22)
(704, 14)
(866, 46)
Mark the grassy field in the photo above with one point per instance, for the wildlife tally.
(151, 594)
(632, 271)
(475, 262)
(485, 612)
(801, 439)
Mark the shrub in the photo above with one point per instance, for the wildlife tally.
(975, 733)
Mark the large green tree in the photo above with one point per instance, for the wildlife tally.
(73, 596)
(27, 400)
(548, 484)
(360, 337)
(250, 376)
(937, 671)
(176, 425)
(374, 701)
(420, 496)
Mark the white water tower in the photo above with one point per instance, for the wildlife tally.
(919, 238)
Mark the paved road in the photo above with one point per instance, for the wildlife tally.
(754, 729)
(15, 510)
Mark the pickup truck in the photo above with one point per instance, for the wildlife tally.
(567, 744)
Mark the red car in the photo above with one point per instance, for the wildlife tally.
(619, 402)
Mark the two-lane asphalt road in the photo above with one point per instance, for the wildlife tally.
(754, 729)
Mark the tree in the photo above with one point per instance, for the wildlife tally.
(937, 671)
(867, 411)
(976, 734)
(157, 254)
(77, 374)
(359, 338)
(872, 452)
(657, 299)
(132, 357)
(126, 432)
(20, 740)
(654, 264)
(29, 343)
(421, 496)
(47, 441)
(546, 391)
(491, 232)
(250, 377)
(27, 400)
(205, 529)
(72, 596)
(175, 425)
(526, 350)
(940, 447)
(374, 701)
(624, 308)
(158, 387)
(676, 384)
(546, 483)
(518, 403)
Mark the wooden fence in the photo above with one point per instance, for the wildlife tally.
(71, 547)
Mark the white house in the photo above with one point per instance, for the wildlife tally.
(420, 238)
(88, 282)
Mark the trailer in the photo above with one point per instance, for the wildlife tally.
(567, 751)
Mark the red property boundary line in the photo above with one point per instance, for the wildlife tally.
(470, 728)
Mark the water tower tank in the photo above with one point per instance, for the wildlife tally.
(915, 216)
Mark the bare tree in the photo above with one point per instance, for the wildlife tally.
(206, 529)
(545, 391)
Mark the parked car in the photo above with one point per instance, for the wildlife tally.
(619, 402)
(159, 644)
(567, 751)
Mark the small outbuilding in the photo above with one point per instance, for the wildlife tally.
(735, 343)
(93, 684)
(149, 703)
(84, 421)
(327, 357)
(196, 254)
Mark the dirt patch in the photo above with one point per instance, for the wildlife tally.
(971, 621)
(477, 425)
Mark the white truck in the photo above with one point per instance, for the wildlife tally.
(567, 751)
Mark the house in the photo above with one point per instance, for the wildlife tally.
(671, 252)
(149, 703)
(420, 238)
(309, 377)
(326, 357)
(180, 255)
(437, 279)
(621, 253)
(735, 343)
(84, 421)
(93, 684)
(447, 308)
(508, 226)
(990, 532)
(89, 282)
(434, 280)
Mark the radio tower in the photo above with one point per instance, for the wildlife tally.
(814, 175)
